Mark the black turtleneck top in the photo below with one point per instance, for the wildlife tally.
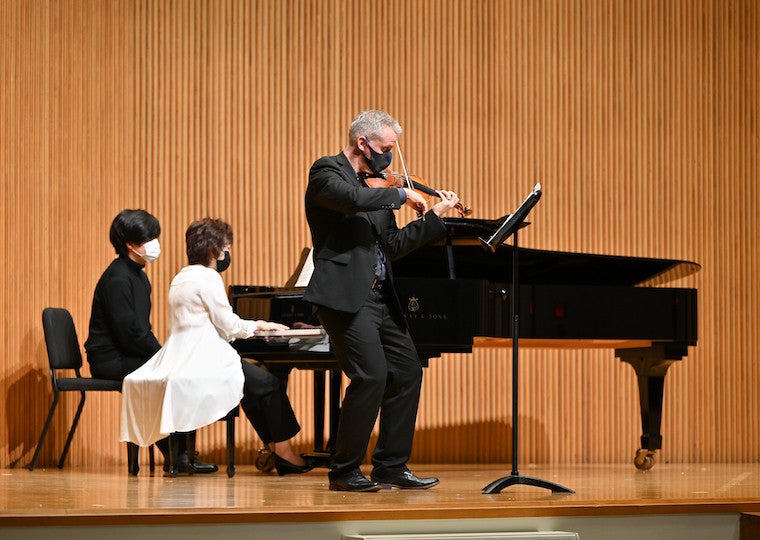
(120, 318)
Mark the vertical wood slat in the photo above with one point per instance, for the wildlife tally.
(639, 119)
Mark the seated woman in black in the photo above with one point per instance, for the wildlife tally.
(121, 338)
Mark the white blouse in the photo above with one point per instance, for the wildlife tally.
(195, 378)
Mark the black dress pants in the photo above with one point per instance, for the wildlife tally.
(267, 406)
(377, 354)
(114, 369)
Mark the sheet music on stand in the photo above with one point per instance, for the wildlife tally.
(306, 270)
(513, 220)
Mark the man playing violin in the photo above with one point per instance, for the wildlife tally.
(355, 238)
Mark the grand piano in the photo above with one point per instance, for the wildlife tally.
(455, 296)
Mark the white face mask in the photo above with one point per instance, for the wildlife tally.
(152, 250)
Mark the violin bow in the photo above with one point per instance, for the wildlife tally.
(407, 179)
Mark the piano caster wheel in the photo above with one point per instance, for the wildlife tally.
(644, 459)
(265, 460)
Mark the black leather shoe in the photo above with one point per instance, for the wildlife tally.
(284, 466)
(403, 479)
(197, 467)
(352, 481)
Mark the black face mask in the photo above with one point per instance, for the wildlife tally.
(378, 162)
(223, 264)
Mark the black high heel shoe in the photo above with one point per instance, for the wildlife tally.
(284, 466)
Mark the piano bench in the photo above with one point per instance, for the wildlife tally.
(229, 418)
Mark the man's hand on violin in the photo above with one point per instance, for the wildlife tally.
(415, 201)
(449, 200)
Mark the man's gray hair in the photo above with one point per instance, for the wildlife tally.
(370, 124)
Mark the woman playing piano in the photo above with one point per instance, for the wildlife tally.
(197, 377)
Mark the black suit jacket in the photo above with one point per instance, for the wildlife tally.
(348, 222)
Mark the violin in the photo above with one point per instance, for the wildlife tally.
(393, 179)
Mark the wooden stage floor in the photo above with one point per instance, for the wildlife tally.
(82, 496)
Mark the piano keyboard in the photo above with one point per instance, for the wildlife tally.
(291, 333)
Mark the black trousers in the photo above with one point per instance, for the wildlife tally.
(376, 352)
(115, 369)
(267, 406)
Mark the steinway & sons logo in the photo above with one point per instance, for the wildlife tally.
(413, 311)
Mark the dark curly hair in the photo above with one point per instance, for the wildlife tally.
(205, 240)
(133, 226)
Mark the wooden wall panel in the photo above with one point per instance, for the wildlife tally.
(638, 118)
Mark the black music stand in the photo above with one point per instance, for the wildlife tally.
(511, 226)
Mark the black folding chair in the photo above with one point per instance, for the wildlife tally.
(64, 353)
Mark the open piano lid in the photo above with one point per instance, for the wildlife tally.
(536, 266)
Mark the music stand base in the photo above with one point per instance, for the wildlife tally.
(497, 485)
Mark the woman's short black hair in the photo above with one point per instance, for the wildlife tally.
(135, 227)
(205, 240)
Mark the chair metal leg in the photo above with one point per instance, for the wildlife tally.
(45, 429)
(72, 430)
(230, 445)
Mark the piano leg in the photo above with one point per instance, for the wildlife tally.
(319, 410)
(323, 451)
(336, 380)
(651, 365)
